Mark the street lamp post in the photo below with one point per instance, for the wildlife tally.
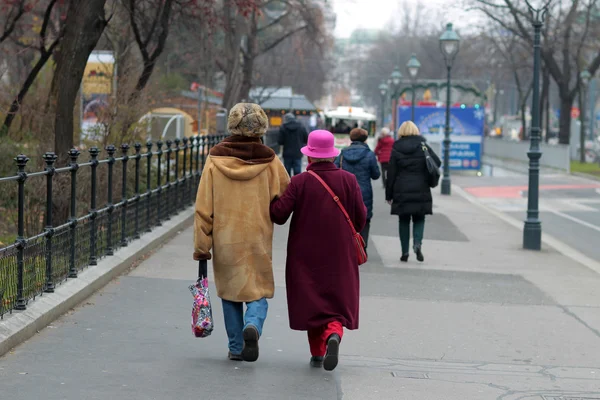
(585, 77)
(532, 232)
(395, 79)
(449, 45)
(413, 66)
(383, 89)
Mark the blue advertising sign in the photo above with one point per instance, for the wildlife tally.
(466, 132)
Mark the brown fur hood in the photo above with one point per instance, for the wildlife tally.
(241, 157)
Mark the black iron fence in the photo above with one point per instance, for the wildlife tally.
(154, 185)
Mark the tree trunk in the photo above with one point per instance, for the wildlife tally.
(84, 26)
(249, 57)
(566, 103)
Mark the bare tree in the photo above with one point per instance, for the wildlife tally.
(568, 44)
(12, 11)
(85, 22)
(50, 34)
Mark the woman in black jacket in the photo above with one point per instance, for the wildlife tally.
(407, 188)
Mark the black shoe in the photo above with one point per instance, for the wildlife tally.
(419, 254)
(316, 362)
(235, 357)
(404, 257)
(333, 351)
(250, 350)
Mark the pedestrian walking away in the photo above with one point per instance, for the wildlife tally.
(240, 179)
(292, 136)
(358, 159)
(322, 276)
(408, 189)
(383, 151)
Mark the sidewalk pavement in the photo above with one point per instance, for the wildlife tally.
(480, 319)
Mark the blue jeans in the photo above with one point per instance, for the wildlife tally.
(293, 164)
(236, 321)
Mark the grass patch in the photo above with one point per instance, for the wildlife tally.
(586, 168)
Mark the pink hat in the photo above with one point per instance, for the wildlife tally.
(321, 144)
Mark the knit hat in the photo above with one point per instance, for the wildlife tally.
(247, 119)
(358, 135)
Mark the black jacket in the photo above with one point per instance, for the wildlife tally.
(292, 136)
(407, 184)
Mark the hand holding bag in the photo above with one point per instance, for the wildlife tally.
(202, 320)
(432, 168)
(359, 242)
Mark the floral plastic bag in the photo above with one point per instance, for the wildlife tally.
(202, 320)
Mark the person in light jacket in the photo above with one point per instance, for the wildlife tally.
(407, 188)
(240, 179)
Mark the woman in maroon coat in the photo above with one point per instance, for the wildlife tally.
(322, 276)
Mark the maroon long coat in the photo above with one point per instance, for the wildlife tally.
(322, 275)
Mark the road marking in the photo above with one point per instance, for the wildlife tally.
(513, 192)
(574, 219)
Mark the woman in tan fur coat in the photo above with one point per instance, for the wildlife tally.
(240, 179)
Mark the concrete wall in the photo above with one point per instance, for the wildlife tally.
(553, 156)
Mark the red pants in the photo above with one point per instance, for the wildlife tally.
(317, 338)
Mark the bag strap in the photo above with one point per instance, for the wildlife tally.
(336, 199)
(202, 269)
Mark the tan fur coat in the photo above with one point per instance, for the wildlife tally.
(240, 179)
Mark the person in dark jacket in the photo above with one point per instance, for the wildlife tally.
(292, 136)
(383, 151)
(407, 188)
(359, 160)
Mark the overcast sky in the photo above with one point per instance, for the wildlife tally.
(352, 14)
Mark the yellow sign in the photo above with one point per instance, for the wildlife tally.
(275, 121)
(98, 74)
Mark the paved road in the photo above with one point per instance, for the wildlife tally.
(480, 319)
(569, 205)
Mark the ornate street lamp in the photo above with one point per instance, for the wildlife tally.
(585, 77)
(449, 45)
(532, 232)
(412, 67)
(383, 89)
(395, 79)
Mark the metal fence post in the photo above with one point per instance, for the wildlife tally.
(138, 157)
(159, 153)
(184, 178)
(168, 188)
(73, 154)
(50, 159)
(177, 183)
(110, 207)
(124, 150)
(148, 183)
(94, 153)
(204, 147)
(21, 242)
